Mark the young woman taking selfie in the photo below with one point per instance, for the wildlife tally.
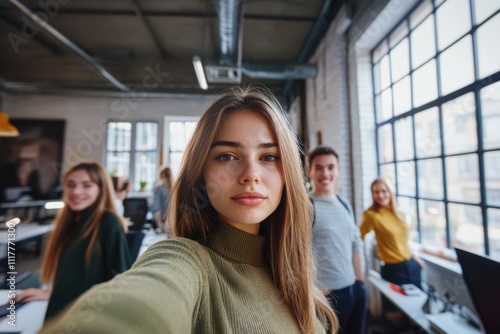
(241, 261)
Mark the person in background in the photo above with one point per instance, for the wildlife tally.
(391, 232)
(88, 244)
(241, 261)
(336, 242)
(124, 190)
(117, 185)
(161, 194)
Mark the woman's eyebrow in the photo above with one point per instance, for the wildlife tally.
(238, 145)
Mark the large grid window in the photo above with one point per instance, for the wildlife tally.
(131, 152)
(436, 80)
(179, 133)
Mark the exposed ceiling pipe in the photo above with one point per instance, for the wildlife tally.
(230, 33)
(280, 71)
(229, 13)
(75, 49)
(318, 31)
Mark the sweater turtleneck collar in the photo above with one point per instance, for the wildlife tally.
(81, 217)
(237, 245)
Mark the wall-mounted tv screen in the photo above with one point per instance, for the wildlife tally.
(30, 164)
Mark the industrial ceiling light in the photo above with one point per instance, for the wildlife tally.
(7, 129)
(200, 74)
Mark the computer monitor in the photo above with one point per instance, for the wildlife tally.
(482, 277)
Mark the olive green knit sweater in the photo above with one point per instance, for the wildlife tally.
(181, 286)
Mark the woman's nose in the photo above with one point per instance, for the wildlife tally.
(250, 173)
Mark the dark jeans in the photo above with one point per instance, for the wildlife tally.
(401, 273)
(350, 305)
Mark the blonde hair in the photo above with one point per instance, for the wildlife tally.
(393, 206)
(62, 231)
(287, 230)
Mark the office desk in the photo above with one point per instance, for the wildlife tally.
(411, 306)
(29, 318)
(25, 232)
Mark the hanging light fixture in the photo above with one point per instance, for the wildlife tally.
(7, 129)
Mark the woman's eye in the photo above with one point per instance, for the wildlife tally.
(225, 157)
(270, 157)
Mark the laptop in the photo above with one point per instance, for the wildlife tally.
(482, 278)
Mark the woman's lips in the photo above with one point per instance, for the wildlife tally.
(249, 198)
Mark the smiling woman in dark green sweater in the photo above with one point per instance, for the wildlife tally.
(242, 261)
(88, 244)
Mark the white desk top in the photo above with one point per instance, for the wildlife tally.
(24, 231)
(409, 305)
(412, 307)
(29, 318)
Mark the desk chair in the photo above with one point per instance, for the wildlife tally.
(136, 209)
(134, 241)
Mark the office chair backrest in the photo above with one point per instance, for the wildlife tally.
(136, 209)
(134, 241)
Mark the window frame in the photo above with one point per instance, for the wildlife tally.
(475, 87)
(133, 151)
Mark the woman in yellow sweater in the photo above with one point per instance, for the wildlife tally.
(391, 232)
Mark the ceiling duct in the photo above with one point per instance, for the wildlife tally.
(229, 28)
(230, 35)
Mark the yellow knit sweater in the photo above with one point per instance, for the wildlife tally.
(391, 234)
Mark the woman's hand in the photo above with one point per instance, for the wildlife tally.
(28, 295)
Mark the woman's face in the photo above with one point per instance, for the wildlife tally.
(79, 190)
(381, 195)
(243, 173)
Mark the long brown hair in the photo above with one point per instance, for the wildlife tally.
(393, 206)
(63, 222)
(287, 230)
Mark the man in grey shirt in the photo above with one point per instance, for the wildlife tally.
(337, 244)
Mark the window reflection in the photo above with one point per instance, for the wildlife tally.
(457, 67)
(408, 207)
(466, 227)
(427, 133)
(402, 96)
(425, 84)
(385, 148)
(404, 138)
(430, 178)
(400, 60)
(456, 14)
(459, 125)
(462, 178)
(494, 232)
(490, 110)
(432, 222)
(423, 42)
(485, 8)
(492, 177)
(388, 173)
(406, 178)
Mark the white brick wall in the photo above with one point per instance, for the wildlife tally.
(339, 100)
(328, 104)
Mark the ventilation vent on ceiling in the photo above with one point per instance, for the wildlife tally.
(224, 74)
